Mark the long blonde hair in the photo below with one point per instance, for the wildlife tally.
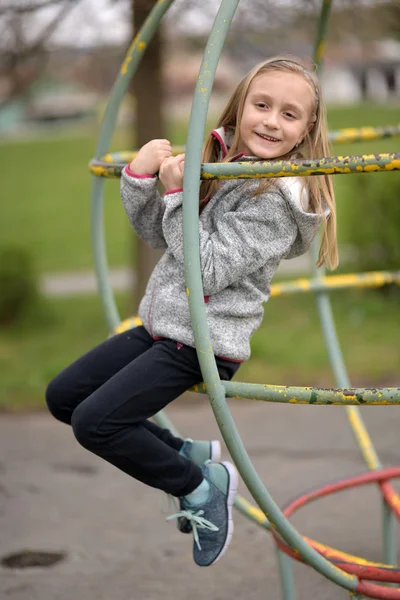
(314, 145)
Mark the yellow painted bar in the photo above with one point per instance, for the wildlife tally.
(352, 134)
(333, 165)
(332, 282)
(360, 280)
(363, 440)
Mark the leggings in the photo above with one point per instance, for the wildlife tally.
(108, 395)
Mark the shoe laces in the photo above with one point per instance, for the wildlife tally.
(196, 520)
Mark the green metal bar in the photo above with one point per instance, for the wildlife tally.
(100, 254)
(338, 366)
(331, 165)
(389, 525)
(196, 304)
(322, 29)
(129, 66)
(334, 165)
(308, 395)
(117, 160)
(285, 568)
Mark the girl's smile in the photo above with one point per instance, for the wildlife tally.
(276, 114)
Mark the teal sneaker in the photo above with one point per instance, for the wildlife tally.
(199, 452)
(212, 522)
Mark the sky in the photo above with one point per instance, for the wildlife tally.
(93, 22)
(105, 21)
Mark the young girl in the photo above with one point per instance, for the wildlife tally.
(246, 229)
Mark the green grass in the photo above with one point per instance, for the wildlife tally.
(288, 349)
(46, 189)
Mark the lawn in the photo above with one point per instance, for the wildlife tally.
(46, 190)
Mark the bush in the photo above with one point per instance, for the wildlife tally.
(372, 221)
(18, 284)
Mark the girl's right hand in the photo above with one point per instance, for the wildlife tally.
(150, 156)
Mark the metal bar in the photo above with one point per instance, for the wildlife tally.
(389, 534)
(363, 134)
(285, 568)
(331, 165)
(129, 66)
(341, 136)
(100, 254)
(196, 304)
(334, 165)
(322, 30)
(332, 341)
(308, 395)
(336, 282)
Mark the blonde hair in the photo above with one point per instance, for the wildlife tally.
(314, 145)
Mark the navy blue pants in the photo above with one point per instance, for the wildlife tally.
(109, 394)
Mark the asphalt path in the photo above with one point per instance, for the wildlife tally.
(57, 497)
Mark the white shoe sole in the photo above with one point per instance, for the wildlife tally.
(215, 451)
(233, 488)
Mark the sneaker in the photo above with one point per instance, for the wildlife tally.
(198, 452)
(211, 521)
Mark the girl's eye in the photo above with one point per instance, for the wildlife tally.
(261, 105)
(290, 115)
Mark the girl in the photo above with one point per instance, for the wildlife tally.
(246, 229)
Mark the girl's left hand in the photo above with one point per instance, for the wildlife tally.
(171, 172)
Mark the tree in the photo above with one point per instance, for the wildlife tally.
(147, 89)
(24, 55)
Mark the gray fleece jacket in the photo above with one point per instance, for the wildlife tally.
(242, 241)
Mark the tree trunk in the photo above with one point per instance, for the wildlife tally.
(147, 89)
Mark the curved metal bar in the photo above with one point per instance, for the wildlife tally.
(196, 304)
(128, 68)
(330, 165)
(322, 29)
(366, 570)
(124, 70)
(130, 64)
(334, 165)
(110, 164)
(338, 367)
(303, 395)
(354, 417)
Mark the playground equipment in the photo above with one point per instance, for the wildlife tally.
(350, 572)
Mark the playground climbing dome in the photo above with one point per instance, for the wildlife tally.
(360, 577)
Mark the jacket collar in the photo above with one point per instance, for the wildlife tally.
(224, 135)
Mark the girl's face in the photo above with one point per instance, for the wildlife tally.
(276, 114)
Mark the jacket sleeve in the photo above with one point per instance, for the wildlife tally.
(144, 207)
(261, 229)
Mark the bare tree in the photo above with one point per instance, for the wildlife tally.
(23, 55)
(148, 91)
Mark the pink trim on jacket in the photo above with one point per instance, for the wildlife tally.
(137, 175)
(173, 191)
(221, 141)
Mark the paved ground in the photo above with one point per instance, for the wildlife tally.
(56, 496)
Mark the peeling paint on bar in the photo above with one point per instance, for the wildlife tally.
(252, 170)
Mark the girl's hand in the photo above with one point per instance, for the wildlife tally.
(150, 156)
(171, 172)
